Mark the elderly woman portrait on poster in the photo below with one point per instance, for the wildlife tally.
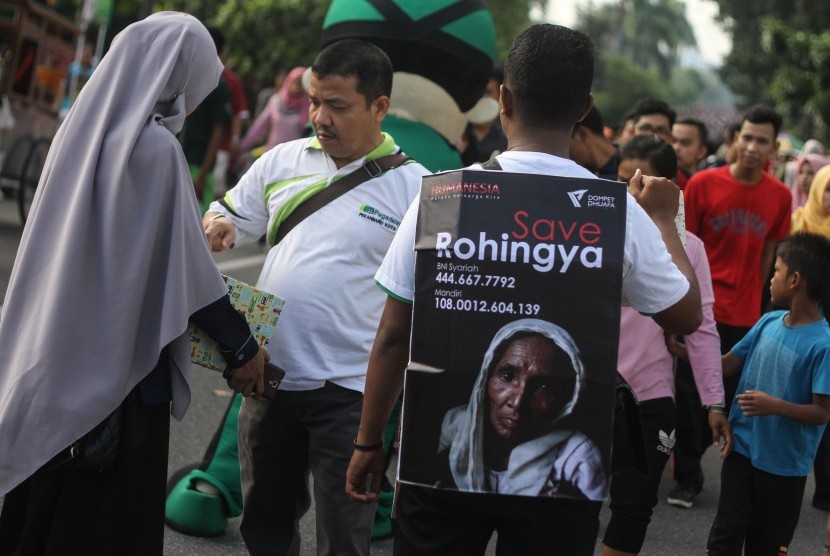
(505, 440)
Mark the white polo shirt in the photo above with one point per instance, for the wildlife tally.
(324, 267)
(651, 281)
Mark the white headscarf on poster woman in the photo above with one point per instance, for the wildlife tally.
(113, 260)
(531, 463)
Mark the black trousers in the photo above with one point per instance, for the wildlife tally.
(693, 434)
(634, 494)
(434, 522)
(62, 509)
(280, 442)
(756, 510)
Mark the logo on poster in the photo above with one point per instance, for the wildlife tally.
(470, 190)
(576, 197)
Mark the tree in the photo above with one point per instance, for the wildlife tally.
(800, 84)
(268, 34)
(263, 35)
(779, 57)
(510, 18)
(648, 32)
(620, 84)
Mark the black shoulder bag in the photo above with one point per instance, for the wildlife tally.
(370, 169)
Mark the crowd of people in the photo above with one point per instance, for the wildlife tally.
(724, 340)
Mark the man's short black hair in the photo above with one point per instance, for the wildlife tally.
(702, 132)
(359, 59)
(628, 116)
(593, 121)
(652, 148)
(218, 39)
(809, 255)
(731, 130)
(763, 114)
(648, 106)
(497, 73)
(549, 70)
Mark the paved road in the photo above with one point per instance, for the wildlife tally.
(673, 531)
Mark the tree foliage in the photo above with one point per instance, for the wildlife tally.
(650, 33)
(639, 44)
(510, 17)
(800, 84)
(265, 35)
(780, 56)
(620, 83)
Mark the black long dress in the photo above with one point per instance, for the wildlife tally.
(63, 509)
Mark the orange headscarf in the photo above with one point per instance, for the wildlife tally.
(812, 217)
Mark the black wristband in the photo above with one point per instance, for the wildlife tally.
(368, 447)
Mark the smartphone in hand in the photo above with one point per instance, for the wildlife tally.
(273, 377)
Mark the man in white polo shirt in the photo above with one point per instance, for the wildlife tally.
(544, 94)
(323, 268)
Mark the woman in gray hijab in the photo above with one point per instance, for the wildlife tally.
(112, 265)
(506, 439)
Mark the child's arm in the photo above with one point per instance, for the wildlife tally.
(731, 364)
(754, 403)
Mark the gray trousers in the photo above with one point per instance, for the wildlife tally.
(280, 441)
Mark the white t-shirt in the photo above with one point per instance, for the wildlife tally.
(323, 268)
(651, 281)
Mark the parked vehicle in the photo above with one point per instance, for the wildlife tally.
(37, 46)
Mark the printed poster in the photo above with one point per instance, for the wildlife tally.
(515, 331)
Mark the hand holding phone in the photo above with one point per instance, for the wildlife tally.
(273, 377)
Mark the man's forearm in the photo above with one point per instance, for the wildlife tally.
(687, 314)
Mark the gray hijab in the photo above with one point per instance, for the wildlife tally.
(463, 427)
(113, 260)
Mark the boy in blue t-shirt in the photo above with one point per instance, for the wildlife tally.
(782, 406)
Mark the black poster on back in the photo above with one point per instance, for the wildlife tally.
(515, 330)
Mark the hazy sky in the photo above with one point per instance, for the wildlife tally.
(712, 41)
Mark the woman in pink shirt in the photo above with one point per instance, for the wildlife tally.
(284, 117)
(647, 365)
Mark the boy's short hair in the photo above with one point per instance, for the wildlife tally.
(359, 59)
(652, 148)
(809, 255)
(702, 132)
(763, 114)
(653, 106)
(550, 70)
(592, 121)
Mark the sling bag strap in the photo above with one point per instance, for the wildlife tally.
(370, 169)
(491, 164)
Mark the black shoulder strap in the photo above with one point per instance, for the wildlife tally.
(491, 164)
(370, 169)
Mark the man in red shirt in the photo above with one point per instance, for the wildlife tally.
(740, 212)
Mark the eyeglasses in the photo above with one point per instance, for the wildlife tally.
(645, 128)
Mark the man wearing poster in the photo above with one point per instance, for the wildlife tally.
(544, 94)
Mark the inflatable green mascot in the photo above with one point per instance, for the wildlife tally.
(442, 52)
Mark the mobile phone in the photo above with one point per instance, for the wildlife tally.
(273, 377)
